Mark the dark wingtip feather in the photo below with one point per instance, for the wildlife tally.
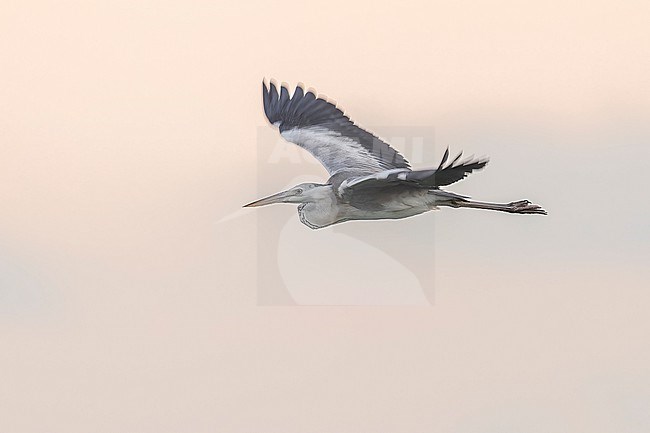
(270, 99)
(298, 93)
(457, 158)
(273, 91)
(265, 99)
(444, 158)
(284, 94)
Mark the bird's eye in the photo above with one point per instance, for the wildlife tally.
(298, 191)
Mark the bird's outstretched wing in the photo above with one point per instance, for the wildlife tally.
(446, 174)
(324, 131)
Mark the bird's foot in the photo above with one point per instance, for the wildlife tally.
(525, 207)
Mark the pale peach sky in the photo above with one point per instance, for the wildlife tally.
(130, 129)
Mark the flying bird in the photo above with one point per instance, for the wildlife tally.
(369, 180)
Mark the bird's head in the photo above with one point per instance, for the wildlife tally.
(302, 193)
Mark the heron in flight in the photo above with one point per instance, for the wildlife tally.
(369, 180)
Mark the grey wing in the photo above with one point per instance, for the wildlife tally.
(324, 131)
(446, 174)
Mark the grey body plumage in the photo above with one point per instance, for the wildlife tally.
(369, 180)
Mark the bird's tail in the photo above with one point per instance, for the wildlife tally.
(521, 206)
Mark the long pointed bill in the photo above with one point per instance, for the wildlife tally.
(275, 198)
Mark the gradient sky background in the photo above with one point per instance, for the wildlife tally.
(130, 129)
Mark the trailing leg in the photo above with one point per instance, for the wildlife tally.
(521, 206)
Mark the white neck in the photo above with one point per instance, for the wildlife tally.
(320, 207)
